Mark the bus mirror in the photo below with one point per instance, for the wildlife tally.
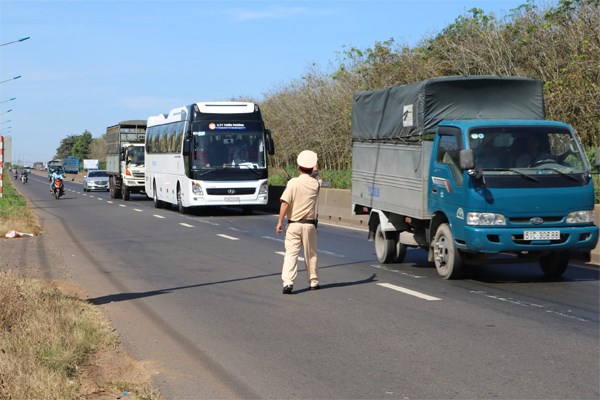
(269, 142)
(467, 160)
(186, 147)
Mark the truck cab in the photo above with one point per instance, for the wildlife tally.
(522, 187)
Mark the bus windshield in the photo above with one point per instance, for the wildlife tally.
(227, 145)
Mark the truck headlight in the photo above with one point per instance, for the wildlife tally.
(580, 217)
(197, 189)
(264, 189)
(480, 218)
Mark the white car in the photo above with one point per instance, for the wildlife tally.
(95, 180)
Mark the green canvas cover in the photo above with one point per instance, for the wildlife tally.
(401, 111)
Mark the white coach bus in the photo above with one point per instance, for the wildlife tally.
(208, 154)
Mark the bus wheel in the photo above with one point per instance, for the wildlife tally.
(180, 207)
(447, 258)
(385, 249)
(157, 203)
(555, 264)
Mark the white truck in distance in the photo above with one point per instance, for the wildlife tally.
(125, 158)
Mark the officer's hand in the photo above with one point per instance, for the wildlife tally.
(279, 228)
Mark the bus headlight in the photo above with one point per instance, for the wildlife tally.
(580, 217)
(480, 218)
(197, 189)
(264, 189)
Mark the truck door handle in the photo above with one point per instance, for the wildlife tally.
(434, 189)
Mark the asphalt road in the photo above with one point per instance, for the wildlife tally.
(198, 297)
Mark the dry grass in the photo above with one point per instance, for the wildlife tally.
(46, 337)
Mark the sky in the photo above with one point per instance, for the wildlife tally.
(90, 64)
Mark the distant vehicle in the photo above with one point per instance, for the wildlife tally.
(193, 156)
(52, 165)
(71, 164)
(90, 164)
(95, 180)
(125, 158)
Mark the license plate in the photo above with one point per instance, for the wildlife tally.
(232, 199)
(541, 235)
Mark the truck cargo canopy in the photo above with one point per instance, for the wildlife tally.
(401, 111)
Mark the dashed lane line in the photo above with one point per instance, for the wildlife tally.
(227, 236)
(186, 225)
(409, 291)
(158, 216)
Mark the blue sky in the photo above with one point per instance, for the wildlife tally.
(90, 64)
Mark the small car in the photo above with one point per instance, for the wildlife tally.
(95, 180)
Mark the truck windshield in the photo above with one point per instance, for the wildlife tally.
(135, 155)
(227, 148)
(528, 150)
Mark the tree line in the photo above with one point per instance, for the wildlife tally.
(558, 44)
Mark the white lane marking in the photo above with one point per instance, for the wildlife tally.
(158, 216)
(110, 201)
(227, 237)
(186, 225)
(99, 198)
(137, 209)
(398, 272)
(282, 253)
(522, 303)
(409, 291)
(122, 205)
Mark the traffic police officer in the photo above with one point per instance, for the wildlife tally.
(299, 204)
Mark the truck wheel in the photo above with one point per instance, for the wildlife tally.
(447, 258)
(180, 206)
(125, 191)
(385, 249)
(555, 263)
(157, 203)
(401, 250)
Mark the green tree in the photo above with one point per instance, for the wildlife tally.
(81, 147)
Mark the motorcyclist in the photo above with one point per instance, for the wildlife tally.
(56, 174)
(24, 176)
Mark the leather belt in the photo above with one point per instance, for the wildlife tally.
(304, 221)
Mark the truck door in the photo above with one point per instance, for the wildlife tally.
(446, 187)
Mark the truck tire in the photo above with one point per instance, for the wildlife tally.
(385, 249)
(180, 207)
(125, 191)
(447, 258)
(112, 186)
(401, 250)
(554, 264)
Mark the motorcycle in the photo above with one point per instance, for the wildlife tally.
(24, 178)
(58, 188)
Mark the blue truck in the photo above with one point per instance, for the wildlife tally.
(71, 164)
(468, 169)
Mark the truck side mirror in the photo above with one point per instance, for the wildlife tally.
(598, 157)
(269, 142)
(467, 160)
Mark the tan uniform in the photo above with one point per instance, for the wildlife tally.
(301, 194)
